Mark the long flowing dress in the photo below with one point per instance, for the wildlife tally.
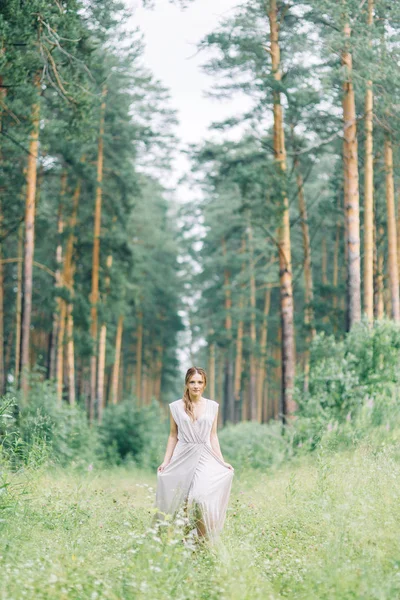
(195, 473)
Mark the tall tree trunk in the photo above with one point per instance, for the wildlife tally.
(369, 195)
(220, 384)
(117, 361)
(335, 274)
(352, 201)
(95, 261)
(158, 374)
(69, 268)
(102, 348)
(139, 357)
(263, 358)
(238, 361)
(120, 390)
(308, 278)
(58, 277)
(70, 355)
(228, 401)
(60, 350)
(211, 367)
(31, 176)
(391, 232)
(253, 330)
(101, 371)
(309, 318)
(398, 234)
(239, 342)
(378, 274)
(285, 259)
(18, 303)
(324, 261)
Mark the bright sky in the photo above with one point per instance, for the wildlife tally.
(171, 35)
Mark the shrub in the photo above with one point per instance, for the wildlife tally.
(353, 384)
(252, 445)
(46, 429)
(139, 435)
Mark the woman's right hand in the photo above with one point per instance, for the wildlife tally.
(162, 467)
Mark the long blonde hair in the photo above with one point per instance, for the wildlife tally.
(188, 404)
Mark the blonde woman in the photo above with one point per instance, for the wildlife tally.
(193, 470)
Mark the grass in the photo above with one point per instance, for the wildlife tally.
(326, 526)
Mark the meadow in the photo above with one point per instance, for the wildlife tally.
(322, 526)
(314, 511)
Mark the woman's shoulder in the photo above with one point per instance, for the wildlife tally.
(175, 403)
(213, 402)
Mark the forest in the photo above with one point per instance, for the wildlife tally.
(282, 281)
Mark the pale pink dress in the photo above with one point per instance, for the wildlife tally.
(195, 473)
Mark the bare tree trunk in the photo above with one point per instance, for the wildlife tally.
(263, 358)
(308, 278)
(253, 331)
(238, 361)
(324, 256)
(352, 210)
(29, 242)
(139, 352)
(309, 318)
(101, 368)
(335, 276)
(239, 344)
(102, 349)
(391, 232)
(70, 355)
(220, 384)
(369, 195)
(120, 391)
(58, 277)
(378, 275)
(18, 304)
(245, 396)
(398, 234)
(117, 360)
(60, 350)
(69, 269)
(228, 400)
(95, 261)
(211, 367)
(158, 374)
(285, 259)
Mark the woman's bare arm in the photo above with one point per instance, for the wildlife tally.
(172, 441)
(215, 442)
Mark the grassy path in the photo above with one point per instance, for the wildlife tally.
(326, 527)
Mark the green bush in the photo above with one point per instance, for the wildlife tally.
(353, 385)
(131, 434)
(42, 429)
(252, 445)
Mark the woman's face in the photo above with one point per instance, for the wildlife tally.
(196, 385)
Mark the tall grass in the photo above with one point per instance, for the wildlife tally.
(324, 527)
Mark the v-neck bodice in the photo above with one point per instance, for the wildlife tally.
(204, 411)
(194, 431)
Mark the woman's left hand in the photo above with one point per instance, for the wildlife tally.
(229, 466)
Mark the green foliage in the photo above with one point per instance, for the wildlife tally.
(254, 446)
(353, 384)
(131, 434)
(326, 528)
(43, 432)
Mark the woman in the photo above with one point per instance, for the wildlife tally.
(193, 470)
